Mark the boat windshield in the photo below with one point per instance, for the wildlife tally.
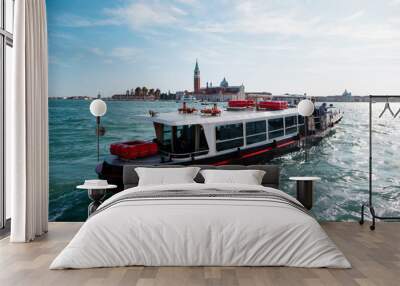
(181, 141)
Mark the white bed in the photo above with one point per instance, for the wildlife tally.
(202, 231)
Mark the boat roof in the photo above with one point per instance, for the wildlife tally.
(177, 119)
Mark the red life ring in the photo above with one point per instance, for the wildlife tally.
(240, 103)
(273, 105)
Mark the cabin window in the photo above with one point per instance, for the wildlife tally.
(256, 132)
(182, 141)
(290, 121)
(275, 124)
(290, 125)
(256, 127)
(189, 139)
(229, 136)
(227, 132)
(166, 140)
(230, 144)
(275, 128)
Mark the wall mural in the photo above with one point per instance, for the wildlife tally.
(147, 58)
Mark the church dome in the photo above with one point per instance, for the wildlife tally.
(224, 83)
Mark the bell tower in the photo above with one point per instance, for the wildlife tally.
(196, 78)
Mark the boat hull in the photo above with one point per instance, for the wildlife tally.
(112, 168)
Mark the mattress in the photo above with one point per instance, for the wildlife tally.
(201, 225)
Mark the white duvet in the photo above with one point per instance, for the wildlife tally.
(193, 231)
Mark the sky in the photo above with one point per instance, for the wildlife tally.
(319, 47)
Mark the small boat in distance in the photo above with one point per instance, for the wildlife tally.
(245, 133)
(188, 98)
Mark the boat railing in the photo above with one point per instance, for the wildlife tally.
(171, 155)
(321, 121)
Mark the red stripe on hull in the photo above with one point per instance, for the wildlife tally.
(267, 149)
(252, 154)
(221, 163)
(285, 144)
(257, 152)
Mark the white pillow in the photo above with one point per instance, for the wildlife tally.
(247, 177)
(166, 176)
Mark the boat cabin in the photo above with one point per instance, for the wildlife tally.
(181, 136)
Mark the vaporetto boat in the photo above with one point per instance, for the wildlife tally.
(243, 135)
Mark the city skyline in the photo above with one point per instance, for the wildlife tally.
(275, 46)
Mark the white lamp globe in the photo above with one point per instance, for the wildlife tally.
(305, 107)
(98, 107)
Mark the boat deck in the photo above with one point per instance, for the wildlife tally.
(374, 255)
(177, 119)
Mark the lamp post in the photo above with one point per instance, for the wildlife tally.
(98, 108)
(306, 109)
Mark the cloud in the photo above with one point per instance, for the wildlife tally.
(61, 36)
(75, 21)
(187, 2)
(250, 17)
(96, 51)
(108, 61)
(354, 16)
(273, 41)
(126, 54)
(56, 61)
(394, 3)
(147, 14)
(255, 18)
(364, 33)
(137, 15)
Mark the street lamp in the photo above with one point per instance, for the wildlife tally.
(306, 109)
(98, 108)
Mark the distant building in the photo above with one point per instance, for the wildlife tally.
(168, 96)
(292, 99)
(196, 80)
(78, 97)
(223, 92)
(224, 83)
(346, 93)
(139, 94)
(340, 98)
(346, 96)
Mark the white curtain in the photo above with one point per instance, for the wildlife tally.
(27, 117)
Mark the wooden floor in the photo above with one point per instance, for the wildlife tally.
(375, 257)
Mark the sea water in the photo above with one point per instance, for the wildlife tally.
(341, 159)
